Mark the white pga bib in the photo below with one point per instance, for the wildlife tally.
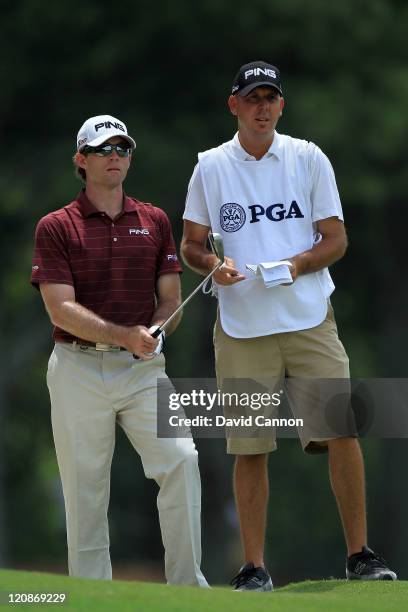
(251, 205)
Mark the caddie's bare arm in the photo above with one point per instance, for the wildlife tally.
(201, 260)
(77, 320)
(168, 293)
(330, 249)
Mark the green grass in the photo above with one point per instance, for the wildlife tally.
(89, 595)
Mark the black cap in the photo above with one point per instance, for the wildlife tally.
(256, 74)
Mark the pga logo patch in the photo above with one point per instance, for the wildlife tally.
(232, 217)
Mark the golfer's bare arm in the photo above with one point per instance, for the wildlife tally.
(330, 249)
(168, 295)
(201, 260)
(66, 313)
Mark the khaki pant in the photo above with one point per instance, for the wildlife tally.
(315, 353)
(90, 391)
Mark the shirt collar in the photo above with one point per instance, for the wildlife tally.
(88, 209)
(239, 152)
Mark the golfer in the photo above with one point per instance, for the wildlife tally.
(107, 269)
(273, 198)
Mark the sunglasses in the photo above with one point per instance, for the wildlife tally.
(107, 149)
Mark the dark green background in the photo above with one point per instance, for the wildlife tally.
(166, 68)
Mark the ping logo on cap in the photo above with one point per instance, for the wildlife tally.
(257, 71)
(98, 129)
(108, 125)
(256, 74)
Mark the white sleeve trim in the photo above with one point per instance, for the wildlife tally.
(326, 214)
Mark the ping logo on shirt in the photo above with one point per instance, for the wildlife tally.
(232, 217)
(275, 212)
(172, 257)
(134, 230)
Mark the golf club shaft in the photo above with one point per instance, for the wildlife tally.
(158, 331)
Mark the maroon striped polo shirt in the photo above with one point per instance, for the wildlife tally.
(113, 265)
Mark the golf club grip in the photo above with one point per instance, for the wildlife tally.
(157, 332)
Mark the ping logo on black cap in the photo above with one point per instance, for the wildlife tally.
(258, 71)
(256, 74)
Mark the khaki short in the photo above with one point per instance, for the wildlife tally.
(315, 353)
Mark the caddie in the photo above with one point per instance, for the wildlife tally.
(107, 269)
(275, 201)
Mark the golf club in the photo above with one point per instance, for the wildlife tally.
(217, 247)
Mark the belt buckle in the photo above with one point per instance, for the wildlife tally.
(99, 346)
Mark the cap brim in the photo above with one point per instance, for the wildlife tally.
(245, 90)
(101, 139)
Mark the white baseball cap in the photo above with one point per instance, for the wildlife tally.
(97, 130)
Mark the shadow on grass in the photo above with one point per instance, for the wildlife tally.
(313, 586)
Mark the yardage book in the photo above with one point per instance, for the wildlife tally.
(272, 272)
